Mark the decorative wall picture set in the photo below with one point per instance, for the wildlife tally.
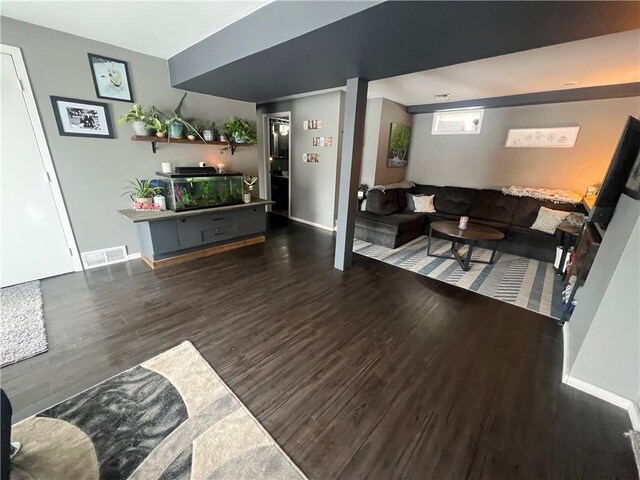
(311, 157)
(312, 124)
(561, 137)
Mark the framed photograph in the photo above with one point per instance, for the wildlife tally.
(82, 118)
(111, 78)
(305, 125)
(399, 139)
(328, 141)
(632, 187)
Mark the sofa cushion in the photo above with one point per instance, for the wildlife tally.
(426, 189)
(493, 205)
(438, 216)
(394, 224)
(382, 203)
(424, 204)
(401, 193)
(527, 210)
(454, 200)
(491, 223)
(548, 220)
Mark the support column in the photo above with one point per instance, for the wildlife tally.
(352, 141)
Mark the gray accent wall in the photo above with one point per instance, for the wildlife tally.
(604, 330)
(377, 132)
(483, 161)
(313, 185)
(93, 172)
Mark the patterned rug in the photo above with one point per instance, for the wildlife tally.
(22, 333)
(517, 280)
(171, 417)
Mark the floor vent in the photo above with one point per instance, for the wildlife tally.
(107, 256)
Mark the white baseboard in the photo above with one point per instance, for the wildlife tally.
(133, 256)
(313, 224)
(566, 353)
(634, 415)
(598, 392)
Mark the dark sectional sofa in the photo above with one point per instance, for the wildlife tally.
(387, 222)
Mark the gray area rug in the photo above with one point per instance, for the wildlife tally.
(517, 280)
(171, 417)
(22, 333)
(634, 436)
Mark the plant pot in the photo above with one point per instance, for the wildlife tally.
(237, 138)
(191, 137)
(176, 129)
(139, 127)
(208, 135)
(147, 201)
(161, 134)
(246, 197)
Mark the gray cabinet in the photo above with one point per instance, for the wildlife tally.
(166, 238)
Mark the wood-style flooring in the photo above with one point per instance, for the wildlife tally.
(376, 372)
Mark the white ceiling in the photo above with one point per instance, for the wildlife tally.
(158, 28)
(606, 60)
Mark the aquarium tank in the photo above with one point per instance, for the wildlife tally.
(190, 192)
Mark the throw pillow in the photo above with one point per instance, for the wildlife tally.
(548, 220)
(424, 203)
(411, 205)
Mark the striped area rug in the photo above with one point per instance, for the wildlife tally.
(517, 280)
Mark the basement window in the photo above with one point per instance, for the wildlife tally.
(457, 122)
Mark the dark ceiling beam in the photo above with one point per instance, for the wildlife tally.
(537, 98)
(384, 40)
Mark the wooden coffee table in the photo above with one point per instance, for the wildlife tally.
(472, 234)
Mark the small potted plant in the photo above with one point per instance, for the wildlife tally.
(240, 131)
(141, 191)
(209, 131)
(362, 190)
(175, 123)
(249, 182)
(193, 131)
(138, 119)
(157, 125)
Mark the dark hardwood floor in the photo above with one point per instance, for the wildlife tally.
(376, 372)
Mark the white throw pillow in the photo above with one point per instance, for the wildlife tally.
(548, 220)
(424, 204)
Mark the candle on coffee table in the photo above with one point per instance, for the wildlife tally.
(463, 223)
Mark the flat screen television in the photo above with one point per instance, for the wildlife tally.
(620, 169)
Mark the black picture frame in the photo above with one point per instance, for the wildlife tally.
(66, 126)
(632, 186)
(101, 91)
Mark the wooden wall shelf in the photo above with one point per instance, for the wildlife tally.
(153, 140)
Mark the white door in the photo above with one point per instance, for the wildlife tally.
(32, 240)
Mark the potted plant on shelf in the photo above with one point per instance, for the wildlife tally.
(138, 119)
(193, 131)
(157, 125)
(209, 131)
(175, 123)
(363, 188)
(249, 182)
(141, 192)
(237, 130)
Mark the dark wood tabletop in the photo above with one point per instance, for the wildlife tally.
(473, 231)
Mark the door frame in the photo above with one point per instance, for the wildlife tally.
(265, 186)
(45, 154)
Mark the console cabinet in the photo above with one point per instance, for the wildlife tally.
(164, 235)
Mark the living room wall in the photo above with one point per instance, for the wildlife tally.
(483, 161)
(313, 185)
(92, 172)
(381, 112)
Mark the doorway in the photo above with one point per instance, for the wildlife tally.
(278, 162)
(37, 241)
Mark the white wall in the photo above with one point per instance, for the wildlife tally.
(92, 172)
(381, 112)
(483, 161)
(313, 185)
(604, 329)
